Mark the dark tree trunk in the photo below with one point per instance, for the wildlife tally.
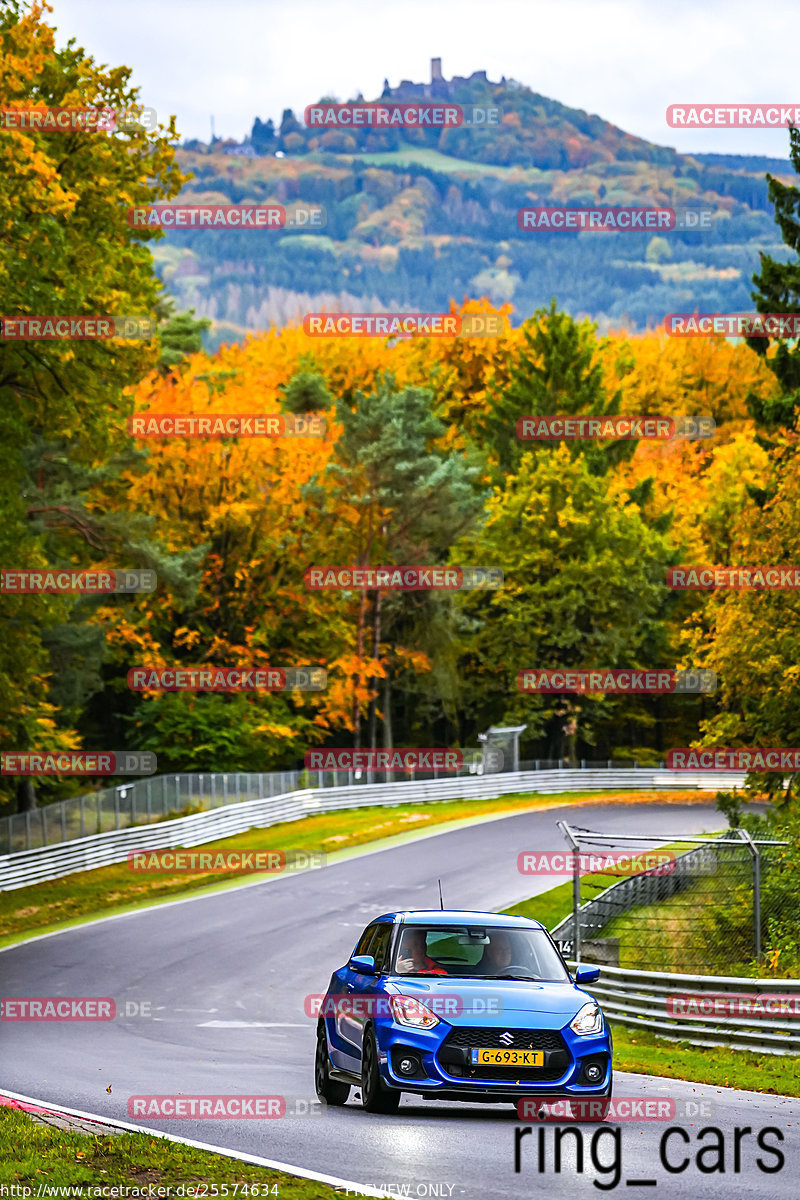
(376, 639)
(26, 795)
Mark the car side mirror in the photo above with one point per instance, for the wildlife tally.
(587, 974)
(364, 964)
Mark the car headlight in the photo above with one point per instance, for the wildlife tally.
(588, 1020)
(407, 1010)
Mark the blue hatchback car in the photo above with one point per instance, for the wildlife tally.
(460, 1006)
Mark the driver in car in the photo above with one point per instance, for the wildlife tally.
(497, 954)
(412, 956)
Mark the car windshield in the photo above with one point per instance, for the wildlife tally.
(478, 952)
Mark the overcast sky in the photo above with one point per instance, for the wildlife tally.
(625, 60)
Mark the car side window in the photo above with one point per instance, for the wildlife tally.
(362, 945)
(379, 948)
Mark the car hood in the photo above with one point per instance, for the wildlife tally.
(491, 1002)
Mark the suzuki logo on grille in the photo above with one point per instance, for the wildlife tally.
(507, 1038)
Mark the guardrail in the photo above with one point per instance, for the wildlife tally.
(102, 849)
(141, 801)
(638, 999)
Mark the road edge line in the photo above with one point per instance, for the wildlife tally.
(253, 1159)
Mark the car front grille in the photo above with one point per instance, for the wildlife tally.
(471, 1037)
(454, 1054)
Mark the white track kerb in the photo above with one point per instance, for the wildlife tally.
(253, 1159)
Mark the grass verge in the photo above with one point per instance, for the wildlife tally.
(37, 1155)
(640, 1051)
(106, 891)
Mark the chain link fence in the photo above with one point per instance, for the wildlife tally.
(160, 797)
(704, 910)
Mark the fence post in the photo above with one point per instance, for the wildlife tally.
(43, 811)
(83, 816)
(116, 808)
(576, 888)
(28, 830)
(100, 811)
(63, 820)
(149, 803)
(756, 855)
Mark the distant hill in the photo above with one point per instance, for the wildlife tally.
(534, 131)
(415, 218)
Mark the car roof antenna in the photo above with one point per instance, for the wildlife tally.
(441, 901)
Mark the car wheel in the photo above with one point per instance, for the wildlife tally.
(327, 1089)
(374, 1097)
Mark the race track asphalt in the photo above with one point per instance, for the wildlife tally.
(226, 975)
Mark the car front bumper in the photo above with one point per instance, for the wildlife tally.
(439, 1069)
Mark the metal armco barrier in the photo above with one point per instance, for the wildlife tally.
(99, 850)
(638, 999)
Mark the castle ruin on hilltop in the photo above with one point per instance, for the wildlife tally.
(438, 88)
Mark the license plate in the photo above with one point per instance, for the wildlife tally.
(509, 1058)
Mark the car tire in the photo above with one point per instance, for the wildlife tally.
(374, 1097)
(328, 1090)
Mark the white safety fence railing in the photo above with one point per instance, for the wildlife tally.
(102, 849)
(761, 1015)
(162, 797)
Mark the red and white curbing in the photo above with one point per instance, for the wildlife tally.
(30, 1104)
